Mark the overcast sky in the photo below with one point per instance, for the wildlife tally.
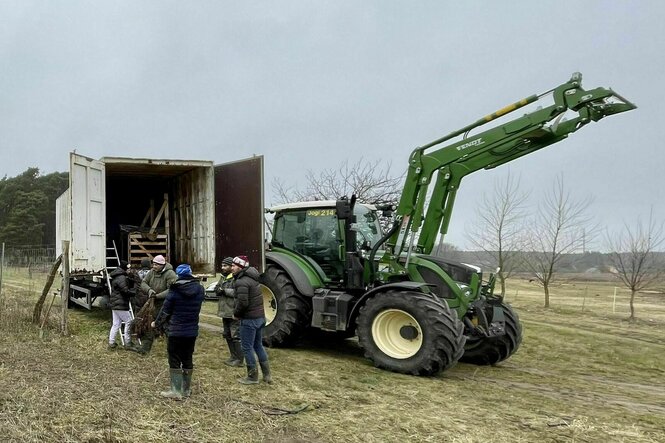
(308, 84)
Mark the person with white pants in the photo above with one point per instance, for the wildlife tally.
(122, 289)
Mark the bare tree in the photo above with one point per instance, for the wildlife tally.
(633, 254)
(498, 230)
(371, 182)
(560, 227)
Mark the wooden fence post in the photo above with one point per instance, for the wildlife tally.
(2, 266)
(584, 297)
(36, 314)
(64, 296)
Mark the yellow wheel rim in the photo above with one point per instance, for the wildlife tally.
(397, 333)
(269, 304)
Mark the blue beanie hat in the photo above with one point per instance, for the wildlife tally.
(183, 270)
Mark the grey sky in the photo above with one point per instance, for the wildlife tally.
(308, 84)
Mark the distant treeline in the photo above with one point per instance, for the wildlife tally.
(583, 262)
(27, 207)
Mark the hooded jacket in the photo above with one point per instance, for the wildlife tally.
(226, 294)
(122, 289)
(160, 283)
(249, 300)
(181, 308)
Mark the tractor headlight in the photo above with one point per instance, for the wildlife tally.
(465, 289)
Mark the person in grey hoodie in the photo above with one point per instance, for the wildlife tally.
(249, 310)
(156, 284)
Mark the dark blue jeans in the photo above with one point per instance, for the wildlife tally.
(251, 336)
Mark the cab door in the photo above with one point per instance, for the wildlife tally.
(239, 209)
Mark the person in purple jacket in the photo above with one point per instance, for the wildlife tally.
(181, 311)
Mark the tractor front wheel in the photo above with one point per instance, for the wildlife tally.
(492, 350)
(287, 312)
(410, 332)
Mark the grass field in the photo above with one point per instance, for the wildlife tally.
(583, 374)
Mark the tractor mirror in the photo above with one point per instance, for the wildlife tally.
(343, 208)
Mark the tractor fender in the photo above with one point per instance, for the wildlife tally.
(294, 271)
(408, 285)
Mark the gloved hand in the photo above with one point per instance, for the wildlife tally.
(151, 293)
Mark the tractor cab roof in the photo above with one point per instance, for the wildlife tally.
(312, 204)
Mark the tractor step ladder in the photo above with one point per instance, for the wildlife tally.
(115, 257)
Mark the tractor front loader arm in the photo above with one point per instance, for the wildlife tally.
(422, 222)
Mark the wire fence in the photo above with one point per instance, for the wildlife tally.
(32, 258)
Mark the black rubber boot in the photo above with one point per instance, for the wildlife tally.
(144, 348)
(187, 382)
(252, 376)
(237, 356)
(265, 370)
(234, 359)
(176, 385)
(239, 353)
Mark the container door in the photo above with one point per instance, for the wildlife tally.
(88, 213)
(239, 226)
(63, 221)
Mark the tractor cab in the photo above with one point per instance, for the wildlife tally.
(319, 231)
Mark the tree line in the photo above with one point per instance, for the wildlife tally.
(27, 207)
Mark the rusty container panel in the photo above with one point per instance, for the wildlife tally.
(239, 225)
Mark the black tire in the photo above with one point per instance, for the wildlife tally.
(492, 350)
(410, 332)
(288, 314)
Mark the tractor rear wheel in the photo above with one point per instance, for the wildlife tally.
(287, 312)
(492, 350)
(410, 332)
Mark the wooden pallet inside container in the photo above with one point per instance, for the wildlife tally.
(141, 247)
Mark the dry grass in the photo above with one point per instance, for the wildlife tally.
(579, 376)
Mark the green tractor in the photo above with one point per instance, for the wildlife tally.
(331, 268)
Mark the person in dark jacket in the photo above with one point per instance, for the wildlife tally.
(122, 289)
(181, 311)
(249, 310)
(230, 325)
(135, 303)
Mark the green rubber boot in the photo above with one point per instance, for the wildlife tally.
(176, 385)
(187, 382)
(265, 370)
(237, 358)
(252, 376)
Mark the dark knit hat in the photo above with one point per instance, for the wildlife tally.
(227, 261)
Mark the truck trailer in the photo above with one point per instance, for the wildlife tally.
(189, 211)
